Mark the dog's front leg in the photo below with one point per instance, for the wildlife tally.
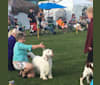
(81, 81)
(42, 75)
(50, 70)
(88, 81)
(50, 74)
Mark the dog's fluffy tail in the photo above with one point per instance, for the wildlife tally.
(32, 55)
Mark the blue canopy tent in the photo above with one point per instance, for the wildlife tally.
(49, 6)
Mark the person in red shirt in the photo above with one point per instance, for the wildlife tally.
(89, 41)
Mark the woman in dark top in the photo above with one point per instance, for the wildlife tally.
(11, 43)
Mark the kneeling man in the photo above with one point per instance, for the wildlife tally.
(20, 59)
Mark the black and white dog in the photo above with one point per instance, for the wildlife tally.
(87, 73)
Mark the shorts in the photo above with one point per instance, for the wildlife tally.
(19, 65)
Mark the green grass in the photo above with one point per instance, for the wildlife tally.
(68, 60)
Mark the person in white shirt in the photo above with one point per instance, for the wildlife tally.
(45, 26)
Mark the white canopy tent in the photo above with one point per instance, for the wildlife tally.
(75, 6)
(55, 13)
(69, 7)
(79, 5)
(72, 6)
(82, 2)
(23, 19)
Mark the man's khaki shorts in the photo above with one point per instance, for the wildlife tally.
(19, 65)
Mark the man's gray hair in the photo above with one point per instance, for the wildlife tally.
(20, 35)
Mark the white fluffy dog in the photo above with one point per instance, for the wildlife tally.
(43, 63)
(87, 73)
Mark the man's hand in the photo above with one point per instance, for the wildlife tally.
(38, 46)
(41, 45)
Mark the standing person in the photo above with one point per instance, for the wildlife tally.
(89, 41)
(20, 58)
(40, 16)
(32, 20)
(11, 43)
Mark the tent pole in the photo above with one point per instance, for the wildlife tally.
(37, 24)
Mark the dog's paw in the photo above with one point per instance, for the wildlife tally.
(50, 77)
(44, 78)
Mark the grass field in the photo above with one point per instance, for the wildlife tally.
(68, 60)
